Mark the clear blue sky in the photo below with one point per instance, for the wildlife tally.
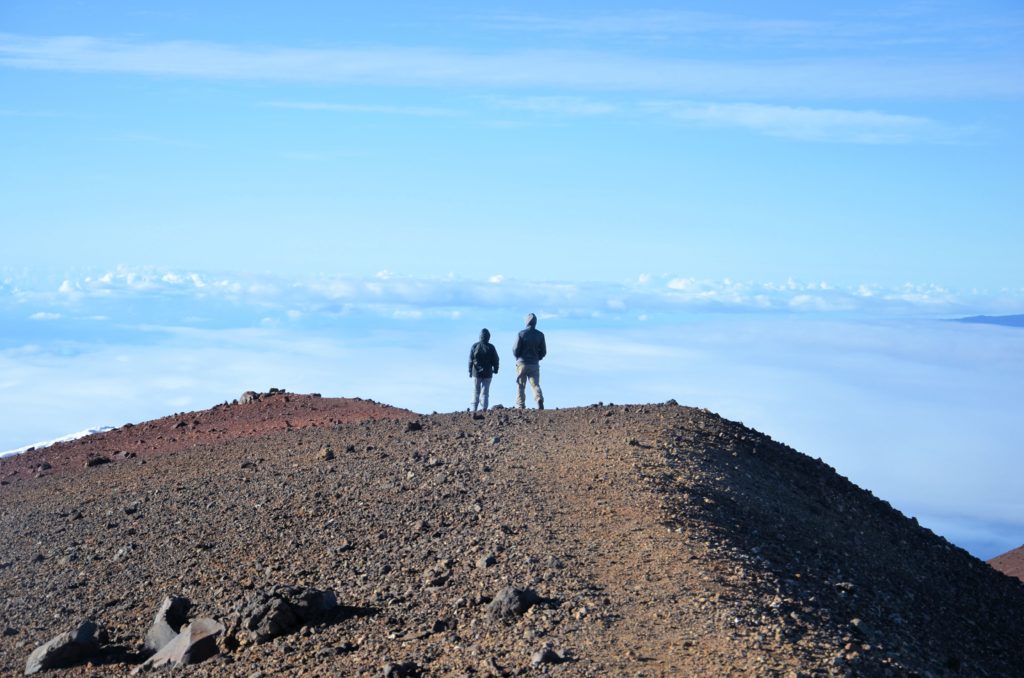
(871, 143)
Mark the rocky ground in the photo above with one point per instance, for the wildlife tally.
(605, 540)
(1010, 563)
(251, 415)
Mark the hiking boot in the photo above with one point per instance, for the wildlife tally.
(540, 404)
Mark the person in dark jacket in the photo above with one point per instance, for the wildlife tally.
(483, 364)
(529, 350)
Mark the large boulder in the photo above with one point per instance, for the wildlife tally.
(511, 603)
(196, 642)
(281, 610)
(67, 649)
(170, 617)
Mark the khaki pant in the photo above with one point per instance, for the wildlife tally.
(531, 373)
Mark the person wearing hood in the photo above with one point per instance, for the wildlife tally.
(483, 364)
(529, 350)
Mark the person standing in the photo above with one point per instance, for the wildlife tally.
(483, 364)
(529, 350)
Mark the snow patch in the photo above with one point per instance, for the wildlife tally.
(62, 439)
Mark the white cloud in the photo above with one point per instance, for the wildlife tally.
(387, 293)
(825, 77)
(809, 124)
(419, 111)
(44, 315)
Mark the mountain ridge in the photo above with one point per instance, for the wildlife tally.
(662, 540)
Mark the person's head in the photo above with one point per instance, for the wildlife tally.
(531, 320)
(485, 335)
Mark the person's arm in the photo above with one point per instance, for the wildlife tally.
(494, 354)
(542, 349)
(517, 349)
(471, 349)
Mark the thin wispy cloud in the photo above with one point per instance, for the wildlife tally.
(792, 122)
(913, 27)
(556, 105)
(518, 68)
(373, 109)
(810, 124)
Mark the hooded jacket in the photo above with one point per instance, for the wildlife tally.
(483, 357)
(530, 348)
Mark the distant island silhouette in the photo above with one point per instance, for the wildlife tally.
(1004, 320)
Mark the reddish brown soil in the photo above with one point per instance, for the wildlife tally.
(221, 424)
(1010, 563)
(663, 540)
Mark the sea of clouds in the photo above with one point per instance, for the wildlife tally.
(878, 382)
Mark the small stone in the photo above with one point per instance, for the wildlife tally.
(326, 453)
(486, 561)
(862, 628)
(403, 670)
(545, 655)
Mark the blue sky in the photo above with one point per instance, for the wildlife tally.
(768, 209)
(879, 144)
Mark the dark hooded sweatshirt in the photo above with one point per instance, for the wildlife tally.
(530, 348)
(483, 357)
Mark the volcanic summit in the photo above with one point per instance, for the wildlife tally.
(298, 535)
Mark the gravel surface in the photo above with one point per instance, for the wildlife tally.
(604, 540)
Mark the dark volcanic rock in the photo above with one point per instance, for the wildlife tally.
(282, 610)
(402, 670)
(67, 649)
(511, 602)
(545, 655)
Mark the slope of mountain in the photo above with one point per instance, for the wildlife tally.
(657, 539)
(1010, 563)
